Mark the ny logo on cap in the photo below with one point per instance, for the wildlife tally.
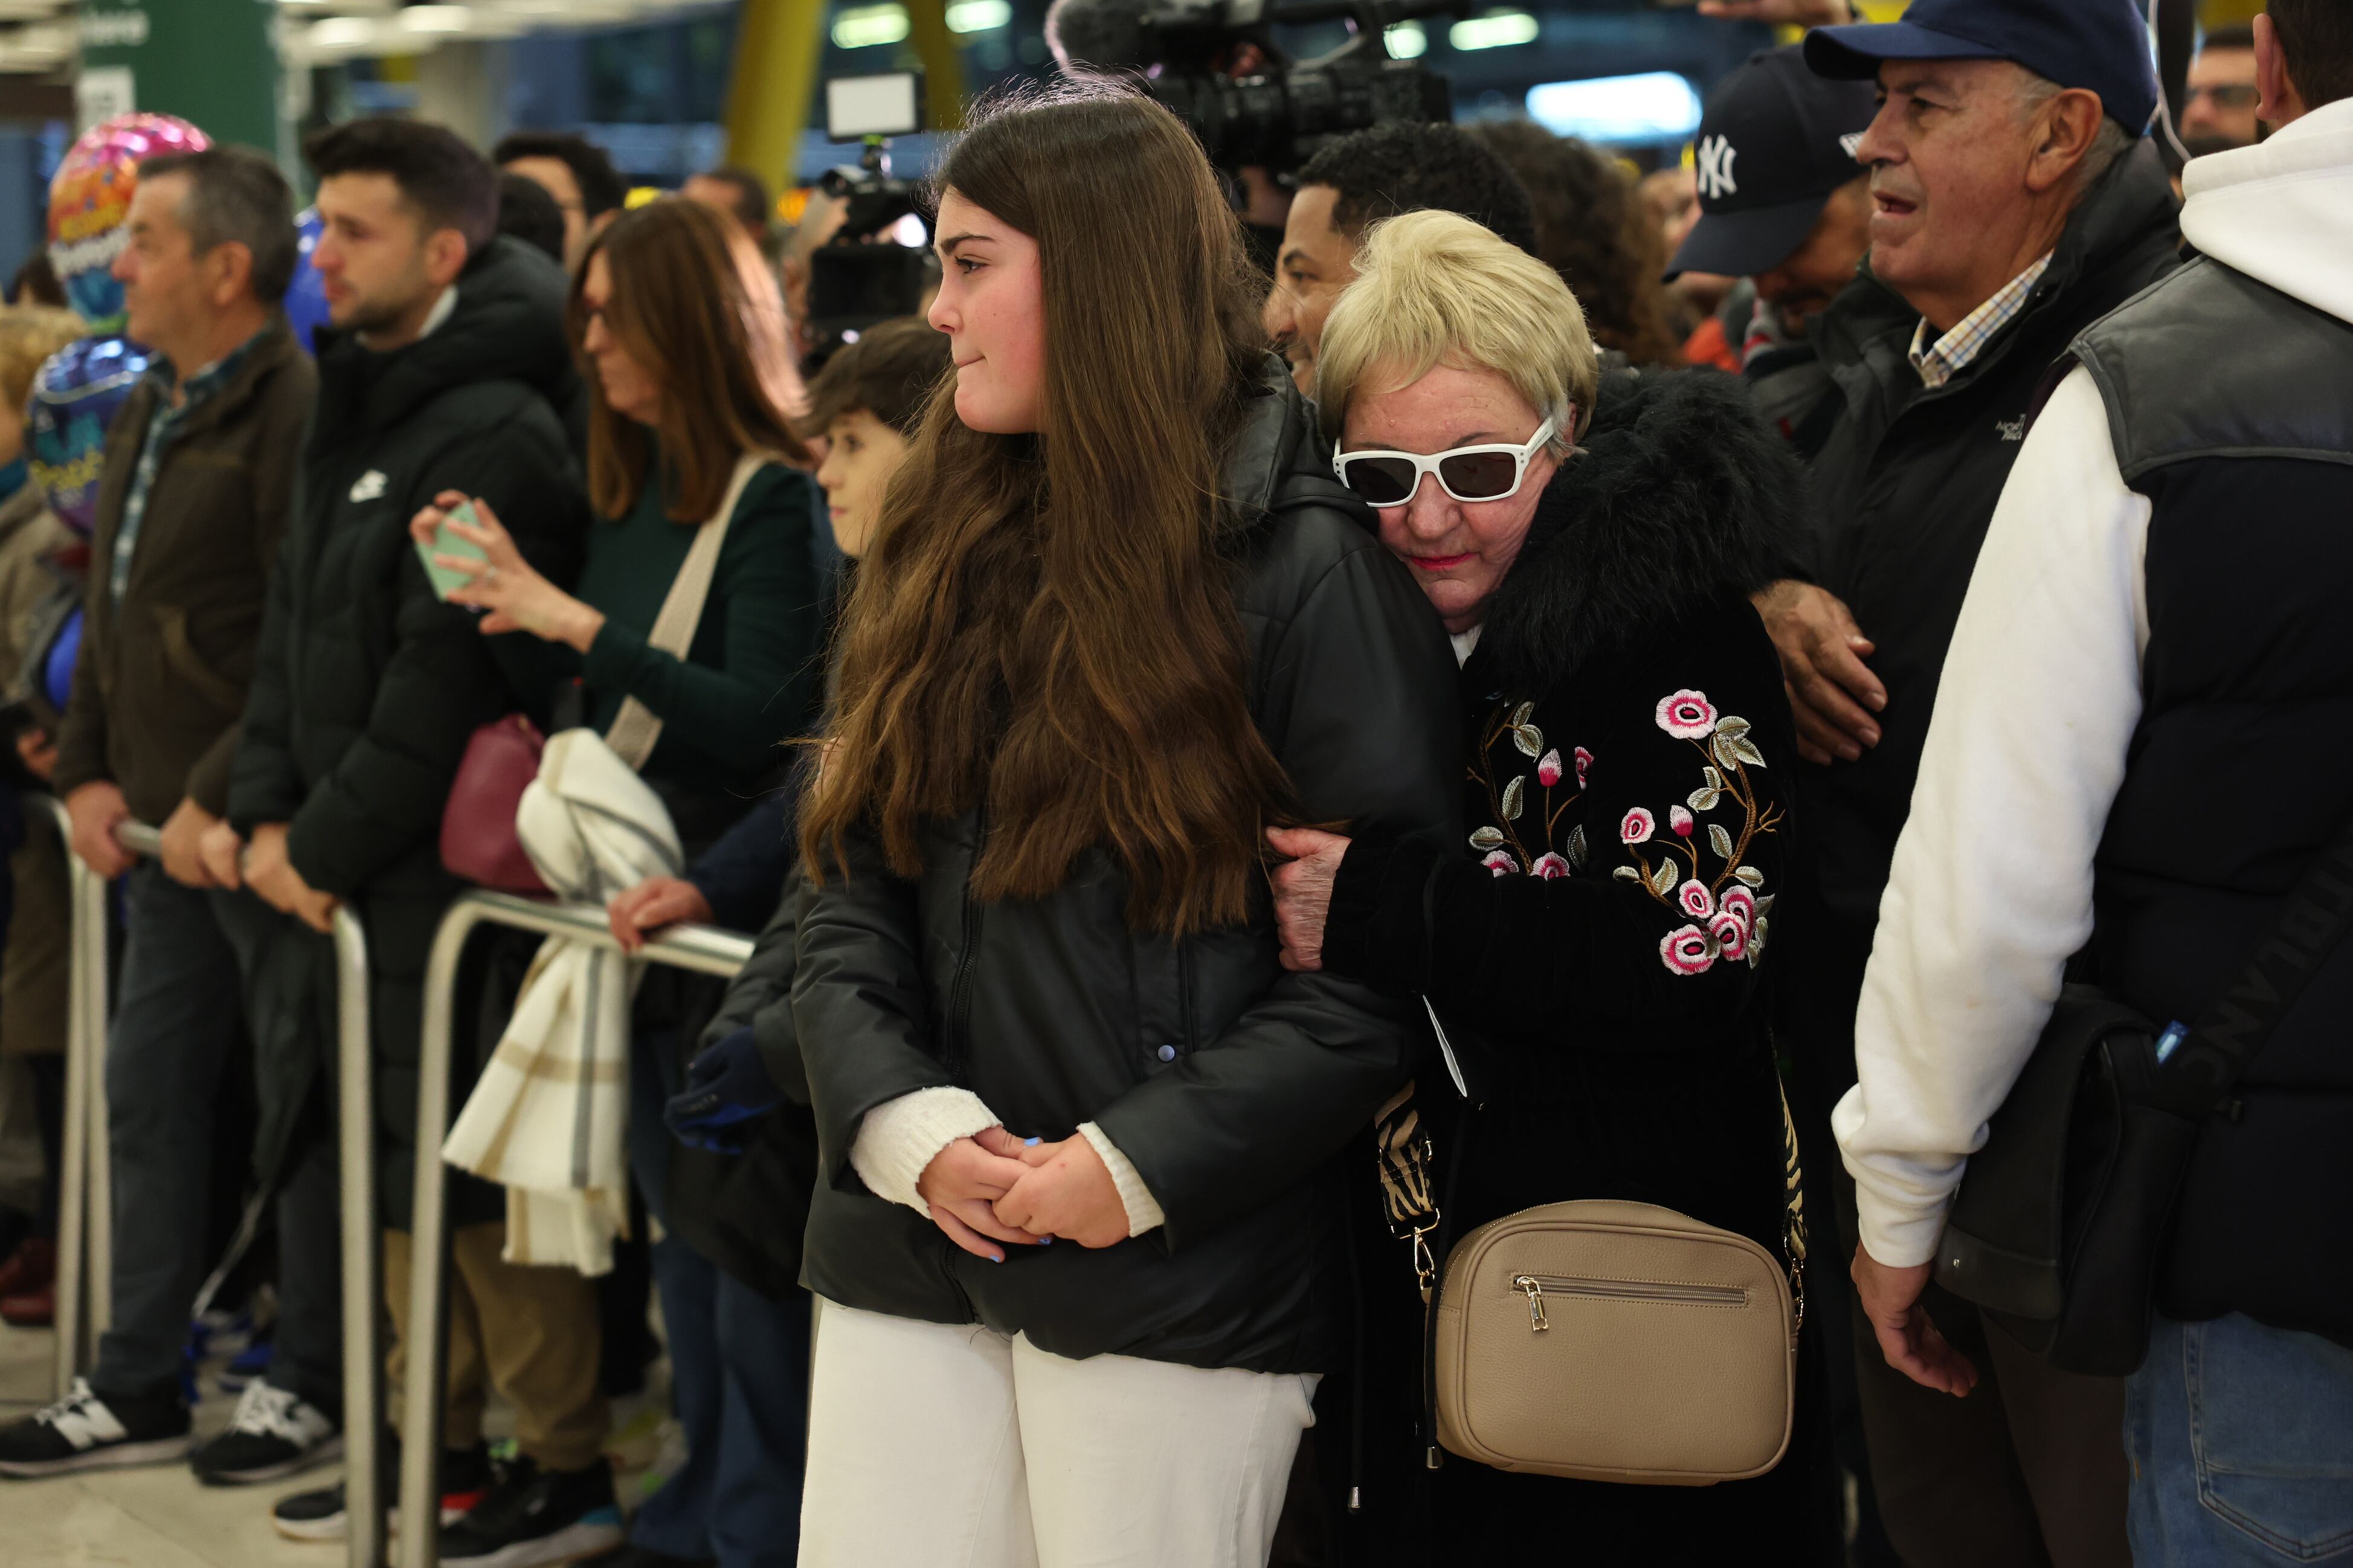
(1714, 158)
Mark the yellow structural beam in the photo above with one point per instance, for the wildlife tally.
(778, 45)
(927, 27)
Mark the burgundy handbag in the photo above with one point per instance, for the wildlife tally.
(478, 825)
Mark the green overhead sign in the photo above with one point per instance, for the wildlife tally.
(212, 62)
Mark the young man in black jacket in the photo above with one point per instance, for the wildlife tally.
(2015, 202)
(447, 369)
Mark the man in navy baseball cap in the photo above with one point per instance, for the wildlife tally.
(1777, 175)
(2100, 45)
(2015, 201)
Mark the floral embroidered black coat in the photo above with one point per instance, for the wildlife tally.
(1600, 942)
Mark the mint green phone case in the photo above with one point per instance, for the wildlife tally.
(445, 578)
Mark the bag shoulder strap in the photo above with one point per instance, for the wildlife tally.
(2195, 1075)
(1404, 1154)
(636, 727)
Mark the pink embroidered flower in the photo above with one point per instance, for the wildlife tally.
(1731, 934)
(1687, 716)
(1549, 867)
(1548, 770)
(1690, 950)
(1741, 905)
(1501, 863)
(1695, 900)
(1680, 820)
(1584, 761)
(1638, 826)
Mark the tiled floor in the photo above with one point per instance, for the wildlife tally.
(161, 1518)
(156, 1518)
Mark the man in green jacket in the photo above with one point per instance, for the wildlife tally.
(198, 485)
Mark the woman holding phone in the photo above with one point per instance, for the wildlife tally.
(1071, 1225)
(681, 329)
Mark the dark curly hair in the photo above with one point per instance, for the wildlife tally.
(1402, 167)
(1592, 230)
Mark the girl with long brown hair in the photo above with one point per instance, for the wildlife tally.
(1070, 1224)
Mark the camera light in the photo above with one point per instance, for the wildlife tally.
(1406, 40)
(978, 16)
(863, 26)
(1495, 30)
(1655, 106)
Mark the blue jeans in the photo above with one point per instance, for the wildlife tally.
(178, 1017)
(2241, 1439)
(739, 1376)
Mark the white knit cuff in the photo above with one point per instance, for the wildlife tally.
(1142, 1209)
(898, 1139)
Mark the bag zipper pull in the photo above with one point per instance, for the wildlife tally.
(1534, 1291)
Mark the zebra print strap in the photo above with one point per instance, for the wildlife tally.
(1793, 1212)
(1405, 1158)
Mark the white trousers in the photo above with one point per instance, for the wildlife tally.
(940, 1446)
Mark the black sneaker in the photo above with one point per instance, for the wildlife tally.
(272, 1436)
(84, 1432)
(323, 1515)
(534, 1516)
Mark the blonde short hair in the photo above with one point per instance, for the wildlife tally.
(29, 336)
(1433, 289)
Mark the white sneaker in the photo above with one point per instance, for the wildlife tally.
(272, 1436)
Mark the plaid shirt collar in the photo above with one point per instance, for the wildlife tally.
(1949, 356)
(204, 385)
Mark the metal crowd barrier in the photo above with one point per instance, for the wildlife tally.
(85, 1271)
(704, 949)
(84, 1205)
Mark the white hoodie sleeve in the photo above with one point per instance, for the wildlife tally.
(1991, 890)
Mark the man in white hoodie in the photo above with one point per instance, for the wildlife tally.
(2144, 735)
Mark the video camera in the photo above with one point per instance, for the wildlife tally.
(1185, 52)
(863, 276)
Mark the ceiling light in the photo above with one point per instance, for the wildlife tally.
(978, 16)
(1656, 106)
(341, 33)
(864, 27)
(435, 18)
(1495, 30)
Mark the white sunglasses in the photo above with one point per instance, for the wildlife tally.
(1466, 473)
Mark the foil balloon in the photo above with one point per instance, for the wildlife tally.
(76, 394)
(89, 206)
(306, 296)
(57, 669)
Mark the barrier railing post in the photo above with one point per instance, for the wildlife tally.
(363, 1242)
(698, 948)
(424, 1343)
(85, 1055)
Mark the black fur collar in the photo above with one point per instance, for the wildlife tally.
(1679, 497)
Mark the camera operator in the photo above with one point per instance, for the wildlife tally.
(1355, 183)
(1101, 38)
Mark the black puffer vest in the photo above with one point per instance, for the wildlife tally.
(2231, 407)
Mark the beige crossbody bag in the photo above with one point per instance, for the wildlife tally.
(1600, 1340)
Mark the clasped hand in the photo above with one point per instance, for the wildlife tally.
(994, 1187)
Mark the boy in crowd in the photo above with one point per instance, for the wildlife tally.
(729, 1265)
